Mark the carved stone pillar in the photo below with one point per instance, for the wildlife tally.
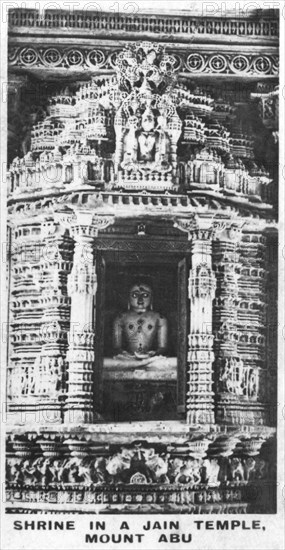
(118, 125)
(51, 281)
(251, 391)
(228, 363)
(40, 260)
(271, 266)
(24, 320)
(82, 286)
(202, 285)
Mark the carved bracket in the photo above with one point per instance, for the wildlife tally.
(83, 223)
(197, 227)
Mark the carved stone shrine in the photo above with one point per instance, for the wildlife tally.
(142, 195)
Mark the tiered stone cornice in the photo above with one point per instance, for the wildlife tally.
(130, 204)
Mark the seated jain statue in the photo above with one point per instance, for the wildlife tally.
(146, 147)
(140, 335)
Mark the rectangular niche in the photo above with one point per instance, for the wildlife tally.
(147, 393)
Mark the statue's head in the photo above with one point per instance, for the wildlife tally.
(140, 297)
(148, 120)
(151, 57)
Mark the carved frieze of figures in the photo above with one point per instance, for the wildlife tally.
(236, 469)
(135, 465)
(210, 471)
(238, 379)
(46, 377)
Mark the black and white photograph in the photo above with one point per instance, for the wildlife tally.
(143, 269)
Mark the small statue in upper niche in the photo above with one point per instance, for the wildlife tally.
(140, 333)
(147, 147)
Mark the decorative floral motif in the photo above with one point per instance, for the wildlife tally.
(251, 65)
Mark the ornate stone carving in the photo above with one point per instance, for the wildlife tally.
(186, 224)
(141, 113)
(37, 371)
(198, 228)
(83, 278)
(238, 309)
(202, 286)
(134, 21)
(191, 464)
(211, 468)
(228, 229)
(238, 379)
(83, 223)
(147, 124)
(194, 63)
(202, 283)
(82, 287)
(268, 106)
(45, 379)
(145, 128)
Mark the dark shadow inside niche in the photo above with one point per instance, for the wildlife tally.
(147, 399)
(163, 281)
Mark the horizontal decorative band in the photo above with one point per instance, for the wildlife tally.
(94, 59)
(131, 22)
